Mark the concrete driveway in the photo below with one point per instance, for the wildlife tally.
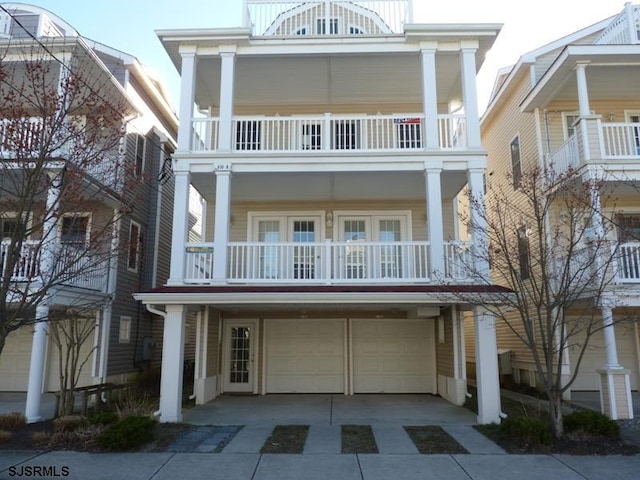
(328, 409)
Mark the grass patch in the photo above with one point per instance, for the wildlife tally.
(286, 439)
(433, 439)
(358, 439)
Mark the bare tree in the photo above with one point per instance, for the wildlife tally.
(547, 241)
(64, 183)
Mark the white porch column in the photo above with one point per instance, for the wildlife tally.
(470, 94)
(475, 179)
(610, 339)
(187, 96)
(36, 366)
(47, 264)
(583, 93)
(227, 74)
(435, 227)
(430, 95)
(172, 364)
(180, 226)
(487, 367)
(221, 225)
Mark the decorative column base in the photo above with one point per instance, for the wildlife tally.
(615, 393)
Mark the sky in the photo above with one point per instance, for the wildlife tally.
(130, 25)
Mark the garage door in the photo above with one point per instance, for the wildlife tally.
(14, 361)
(305, 356)
(595, 358)
(393, 356)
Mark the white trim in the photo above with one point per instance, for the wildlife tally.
(284, 216)
(350, 355)
(87, 233)
(263, 359)
(253, 381)
(10, 215)
(139, 136)
(613, 407)
(347, 366)
(406, 222)
(124, 335)
(629, 113)
(139, 246)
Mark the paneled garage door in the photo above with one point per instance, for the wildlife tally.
(595, 358)
(304, 356)
(393, 356)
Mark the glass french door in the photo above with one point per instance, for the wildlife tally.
(240, 340)
(277, 259)
(380, 260)
(635, 118)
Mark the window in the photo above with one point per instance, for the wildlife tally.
(140, 152)
(302, 31)
(409, 132)
(346, 135)
(524, 262)
(135, 239)
(516, 168)
(248, 135)
(635, 118)
(125, 330)
(311, 136)
(8, 227)
(322, 26)
(74, 229)
(353, 30)
(569, 120)
(628, 227)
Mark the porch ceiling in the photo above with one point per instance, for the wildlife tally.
(346, 79)
(612, 73)
(327, 186)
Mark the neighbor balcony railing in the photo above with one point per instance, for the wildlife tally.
(83, 272)
(326, 17)
(617, 141)
(628, 262)
(391, 133)
(326, 263)
(624, 29)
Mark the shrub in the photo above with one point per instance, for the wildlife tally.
(103, 418)
(69, 423)
(5, 436)
(134, 404)
(41, 439)
(129, 433)
(533, 430)
(12, 421)
(593, 423)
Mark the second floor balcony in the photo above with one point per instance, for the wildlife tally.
(82, 272)
(331, 133)
(329, 263)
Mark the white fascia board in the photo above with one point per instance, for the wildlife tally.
(318, 298)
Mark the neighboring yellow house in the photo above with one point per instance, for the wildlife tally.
(575, 103)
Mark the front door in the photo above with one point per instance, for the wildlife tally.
(240, 343)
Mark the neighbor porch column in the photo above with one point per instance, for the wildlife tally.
(435, 223)
(187, 96)
(47, 265)
(180, 226)
(470, 93)
(583, 93)
(475, 180)
(221, 225)
(429, 95)
(172, 364)
(487, 367)
(227, 74)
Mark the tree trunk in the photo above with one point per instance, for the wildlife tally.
(555, 413)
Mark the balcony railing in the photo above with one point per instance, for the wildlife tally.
(623, 29)
(326, 263)
(618, 141)
(330, 133)
(83, 273)
(628, 262)
(327, 17)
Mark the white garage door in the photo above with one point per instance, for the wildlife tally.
(305, 356)
(595, 358)
(394, 356)
(14, 361)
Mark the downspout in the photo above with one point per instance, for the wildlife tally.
(162, 314)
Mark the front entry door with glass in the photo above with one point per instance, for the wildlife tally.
(240, 338)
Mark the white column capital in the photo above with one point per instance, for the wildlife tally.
(582, 65)
(428, 48)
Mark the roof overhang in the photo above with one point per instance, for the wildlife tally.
(606, 66)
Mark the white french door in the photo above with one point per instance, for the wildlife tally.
(277, 259)
(240, 353)
(635, 118)
(370, 251)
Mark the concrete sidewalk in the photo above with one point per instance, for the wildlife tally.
(253, 466)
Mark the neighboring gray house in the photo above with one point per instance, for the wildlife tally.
(122, 342)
